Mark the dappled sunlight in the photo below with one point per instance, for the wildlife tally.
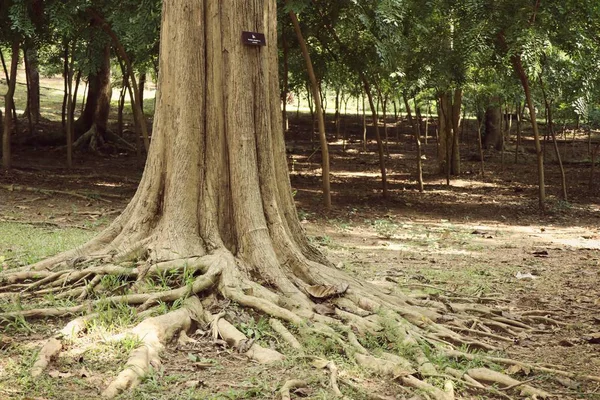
(109, 184)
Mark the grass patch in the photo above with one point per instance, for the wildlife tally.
(22, 244)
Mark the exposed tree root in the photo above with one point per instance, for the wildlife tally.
(93, 140)
(290, 385)
(153, 333)
(361, 311)
(493, 377)
(533, 367)
(49, 351)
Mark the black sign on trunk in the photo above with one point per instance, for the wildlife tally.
(254, 39)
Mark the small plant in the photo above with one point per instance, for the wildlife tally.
(257, 330)
(385, 228)
(303, 215)
(19, 324)
(113, 317)
(341, 225)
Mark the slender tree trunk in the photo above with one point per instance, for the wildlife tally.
(385, 126)
(448, 143)
(416, 135)
(518, 66)
(83, 97)
(6, 75)
(70, 108)
(456, 123)
(345, 119)
(29, 94)
(337, 114)
(286, 80)
(364, 123)
(480, 142)
(396, 122)
(321, 120)
(127, 88)
(520, 111)
(593, 156)
(66, 85)
(33, 92)
(378, 137)
(8, 106)
(313, 116)
(427, 122)
(550, 127)
(142, 87)
(121, 106)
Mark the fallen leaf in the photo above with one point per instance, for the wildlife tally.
(327, 291)
(324, 309)
(518, 369)
(244, 345)
(567, 382)
(203, 365)
(302, 392)
(184, 339)
(593, 338)
(520, 276)
(192, 384)
(541, 253)
(320, 363)
(58, 374)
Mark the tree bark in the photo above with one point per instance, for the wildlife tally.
(550, 129)
(28, 84)
(7, 76)
(65, 74)
(33, 91)
(319, 109)
(448, 137)
(518, 66)
(380, 148)
(520, 111)
(142, 87)
(97, 104)
(70, 108)
(416, 135)
(286, 80)
(8, 106)
(135, 100)
(493, 125)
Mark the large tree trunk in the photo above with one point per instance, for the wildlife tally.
(493, 125)
(97, 104)
(8, 106)
(216, 175)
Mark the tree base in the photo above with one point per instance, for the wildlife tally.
(347, 315)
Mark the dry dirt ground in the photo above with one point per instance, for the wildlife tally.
(481, 239)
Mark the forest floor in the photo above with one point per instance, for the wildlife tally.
(476, 238)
